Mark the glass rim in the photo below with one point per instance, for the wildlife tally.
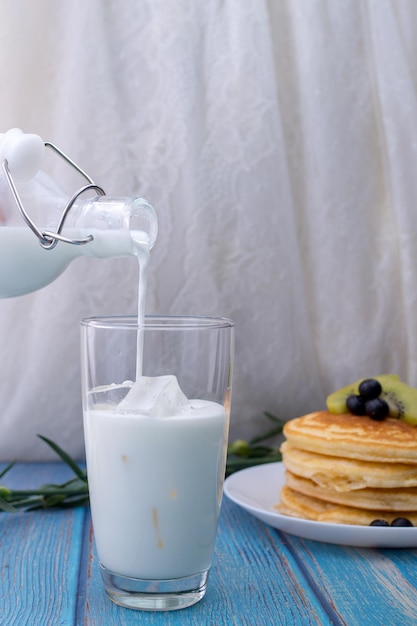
(154, 322)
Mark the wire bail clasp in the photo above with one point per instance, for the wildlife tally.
(48, 239)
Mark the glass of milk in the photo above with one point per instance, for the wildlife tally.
(156, 404)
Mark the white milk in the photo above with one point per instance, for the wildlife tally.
(155, 486)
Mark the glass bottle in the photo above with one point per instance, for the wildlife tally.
(42, 231)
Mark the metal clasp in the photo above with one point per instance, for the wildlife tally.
(48, 239)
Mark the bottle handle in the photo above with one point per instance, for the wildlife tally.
(47, 239)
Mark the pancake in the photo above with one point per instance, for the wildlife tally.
(354, 437)
(331, 472)
(375, 499)
(295, 504)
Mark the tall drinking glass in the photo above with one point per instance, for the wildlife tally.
(156, 403)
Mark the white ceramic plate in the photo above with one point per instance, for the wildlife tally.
(257, 489)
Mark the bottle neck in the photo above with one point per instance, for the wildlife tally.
(132, 219)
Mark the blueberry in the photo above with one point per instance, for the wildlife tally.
(356, 405)
(401, 521)
(377, 409)
(370, 388)
(379, 522)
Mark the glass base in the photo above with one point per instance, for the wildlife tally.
(154, 595)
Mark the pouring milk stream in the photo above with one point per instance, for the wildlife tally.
(41, 232)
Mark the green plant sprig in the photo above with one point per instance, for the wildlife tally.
(72, 493)
(240, 455)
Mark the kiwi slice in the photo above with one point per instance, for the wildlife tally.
(336, 402)
(401, 398)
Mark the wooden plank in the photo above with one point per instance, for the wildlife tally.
(39, 555)
(253, 581)
(367, 587)
(259, 580)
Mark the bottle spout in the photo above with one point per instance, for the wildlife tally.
(131, 214)
(143, 219)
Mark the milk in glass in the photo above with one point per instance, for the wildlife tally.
(153, 518)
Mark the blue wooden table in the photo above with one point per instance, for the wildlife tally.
(49, 574)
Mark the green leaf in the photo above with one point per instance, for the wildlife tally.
(6, 506)
(276, 430)
(234, 464)
(274, 418)
(6, 469)
(66, 458)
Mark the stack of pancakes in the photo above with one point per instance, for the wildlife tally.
(349, 469)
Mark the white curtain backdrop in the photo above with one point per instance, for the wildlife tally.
(277, 141)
